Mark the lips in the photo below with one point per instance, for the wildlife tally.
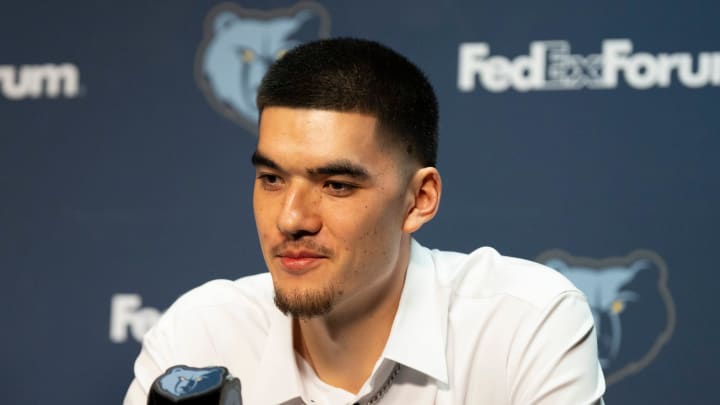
(298, 262)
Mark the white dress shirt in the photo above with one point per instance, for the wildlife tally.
(476, 328)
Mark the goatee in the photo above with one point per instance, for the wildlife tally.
(306, 304)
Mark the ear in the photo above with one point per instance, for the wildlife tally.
(423, 198)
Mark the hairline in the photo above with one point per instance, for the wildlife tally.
(383, 133)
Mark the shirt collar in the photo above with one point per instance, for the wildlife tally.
(419, 332)
(417, 337)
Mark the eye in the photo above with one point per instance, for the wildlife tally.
(269, 181)
(617, 306)
(338, 188)
(248, 56)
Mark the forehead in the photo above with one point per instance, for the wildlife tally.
(312, 136)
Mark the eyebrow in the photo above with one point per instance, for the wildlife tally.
(258, 159)
(341, 167)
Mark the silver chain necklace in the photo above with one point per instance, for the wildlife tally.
(385, 387)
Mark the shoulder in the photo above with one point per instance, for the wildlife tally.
(486, 274)
(517, 326)
(221, 322)
(253, 289)
(248, 300)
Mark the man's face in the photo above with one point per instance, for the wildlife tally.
(330, 199)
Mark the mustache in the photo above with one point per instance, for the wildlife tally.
(304, 244)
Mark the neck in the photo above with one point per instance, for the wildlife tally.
(343, 346)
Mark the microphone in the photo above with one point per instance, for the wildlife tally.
(195, 386)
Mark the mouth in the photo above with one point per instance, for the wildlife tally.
(300, 261)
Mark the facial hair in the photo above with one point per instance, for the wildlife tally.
(306, 304)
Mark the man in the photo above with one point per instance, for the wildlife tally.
(353, 310)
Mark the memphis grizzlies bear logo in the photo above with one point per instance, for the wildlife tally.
(631, 304)
(183, 381)
(240, 44)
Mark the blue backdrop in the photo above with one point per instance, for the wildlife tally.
(580, 134)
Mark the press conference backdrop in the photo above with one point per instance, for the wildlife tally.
(580, 134)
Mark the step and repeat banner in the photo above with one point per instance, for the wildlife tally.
(583, 135)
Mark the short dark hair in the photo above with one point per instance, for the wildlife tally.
(347, 74)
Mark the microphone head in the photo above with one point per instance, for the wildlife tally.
(195, 386)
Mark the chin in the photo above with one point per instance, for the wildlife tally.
(305, 302)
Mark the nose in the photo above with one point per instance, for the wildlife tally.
(300, 213)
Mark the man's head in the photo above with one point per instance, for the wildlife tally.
(344, 175)
(346, 74)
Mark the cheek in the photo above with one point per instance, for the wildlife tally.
(369, 230)
(264, 224)
(261, 212)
